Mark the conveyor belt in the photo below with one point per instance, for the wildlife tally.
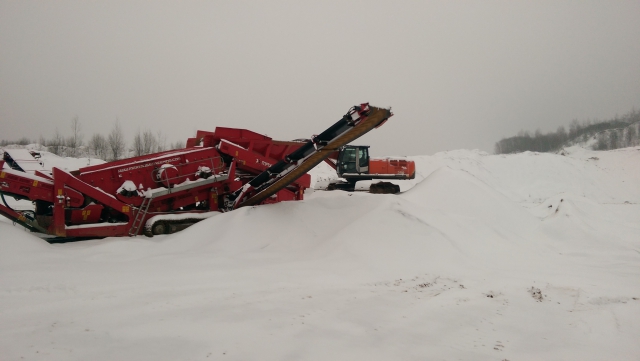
(359, 121)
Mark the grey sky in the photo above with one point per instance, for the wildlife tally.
(458, 74)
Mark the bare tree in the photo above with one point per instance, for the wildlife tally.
(23, 141)
(574, 128)
(145, 143)
(56, 144)
(116, 141)
(614, 138)
(138, 148)
(562, 134)
(149, 142)
(98, 146)
(621, 131)
(633, 135)
(75, 139)
(630, 136)
(41, 142)
(602, 141)
(177, 145)
(162, 141)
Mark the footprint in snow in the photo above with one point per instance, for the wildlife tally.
(536, 294)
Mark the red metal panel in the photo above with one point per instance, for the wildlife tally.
(43, 175)
(62, 178)
(99, 230)
(142, 170)
(34, 187)
(88, 214)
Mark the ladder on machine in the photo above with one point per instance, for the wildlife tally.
(142, 212)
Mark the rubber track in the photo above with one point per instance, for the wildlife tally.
(376, 117)
(147, 230)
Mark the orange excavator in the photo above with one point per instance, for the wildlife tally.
(352, 163)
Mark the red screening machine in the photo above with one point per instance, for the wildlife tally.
(165, 192)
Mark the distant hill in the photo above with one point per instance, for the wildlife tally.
(619, 132)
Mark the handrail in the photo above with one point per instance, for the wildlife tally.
(164, 178)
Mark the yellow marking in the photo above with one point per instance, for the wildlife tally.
(2, 174)
(236, 153)
(59, 192)
(125, 209)
(35, 183)
(22, 218)
(85, 214)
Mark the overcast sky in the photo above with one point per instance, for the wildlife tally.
(458, 74)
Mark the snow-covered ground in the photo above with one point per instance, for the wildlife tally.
(49, 160)
(482, 257)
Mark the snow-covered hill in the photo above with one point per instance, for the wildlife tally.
(482, 257)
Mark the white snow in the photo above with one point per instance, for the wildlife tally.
(231, 143)
(322, 175)
(27, 175)
(50, 160)
(202, 170)
(482, 257)
(128, 186)
(179, 216)
(25, 160)
(79, 226)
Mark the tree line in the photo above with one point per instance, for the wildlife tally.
(619, 132)
(108, 147)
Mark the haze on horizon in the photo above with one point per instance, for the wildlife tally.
(457, 74)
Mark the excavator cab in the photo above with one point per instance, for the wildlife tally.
(353, 159)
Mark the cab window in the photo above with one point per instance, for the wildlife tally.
(363, 157)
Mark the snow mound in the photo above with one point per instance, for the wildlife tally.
(583, 228)
(604, 177)
(362, 233)
(464, 194)
(19, 246)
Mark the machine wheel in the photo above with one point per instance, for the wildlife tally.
(159, 228)
(168, 226)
